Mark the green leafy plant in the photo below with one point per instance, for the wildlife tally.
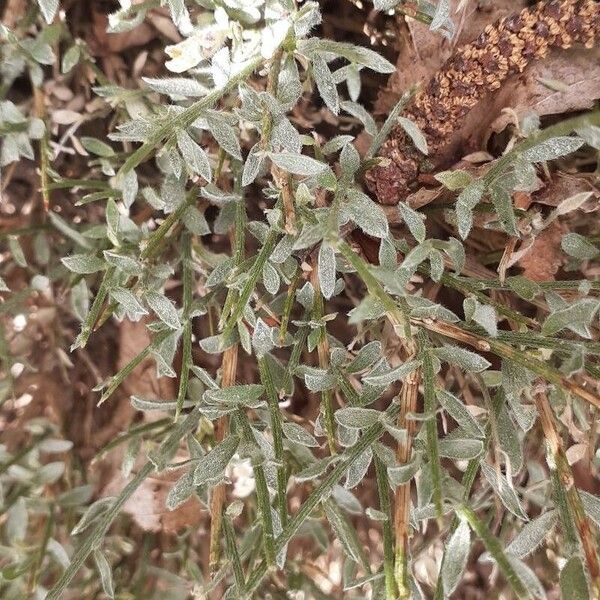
(246, 253)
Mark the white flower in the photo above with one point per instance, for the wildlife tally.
(242, 475)
(221, 67)
(185, 55)
(203, 44)
(273, 36)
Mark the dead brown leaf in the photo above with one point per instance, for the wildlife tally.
(577, 70)
(147, 504)
(545, 256)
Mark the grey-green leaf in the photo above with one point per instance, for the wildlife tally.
(237, 394)
(105, 571)
(463, 358)
(164, 309)
(368, 215)
(83, 264)
(48, 8)
(578, 246)
(414, 221)
(224, 134)
(194, 155)
(533, 534)
(573, 582)
(296, 433)
(552, 148)
(455, 557)
(298, 164)
(358, 418)
(213, 465)
(415, 134)
(325, 84)
(326, 263)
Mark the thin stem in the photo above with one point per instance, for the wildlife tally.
(277, 431)
(467, 482)
(320, 493)
(93, 539)
(250, 284)
(289, 304)
(228, 378)
(323, 352)
(40, 111)
(262, 491)
(494, 547)
(430, 405)
(229, 370)
(186, 351)
(117, 379)
(95, 310)
(383, 489)
(558, 461)
(233, 553)
(408, 404)
(390, 122)
(154, 241)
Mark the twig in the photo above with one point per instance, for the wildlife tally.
(558, 462)
(408, 404)
(229, 370)
(228, 378)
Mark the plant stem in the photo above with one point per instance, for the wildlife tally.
(262, 491)
(232, 550)
(277, 431)
(323, 352)
(95, 537)
(117, 379)
(95, 310)
(186, 350)
(468, 479)
(228, 377)
(250, 284)
(557, 461)
(430, 405)
(408, 404)
(229, 370)
(494, 547)
(320, 493)
(390, 122)
(383, 488)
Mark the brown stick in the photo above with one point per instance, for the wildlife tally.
(557, 461)
(408, 404)
(506, 351)
(229, 366)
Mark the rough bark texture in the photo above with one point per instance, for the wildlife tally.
(476, 69)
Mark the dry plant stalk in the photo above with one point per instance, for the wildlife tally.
(558, 461)
(408, 404)
(474, 70)
(229, 366)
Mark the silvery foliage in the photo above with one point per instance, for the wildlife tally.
(199, 137)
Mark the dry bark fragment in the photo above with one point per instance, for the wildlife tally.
(476, 69)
